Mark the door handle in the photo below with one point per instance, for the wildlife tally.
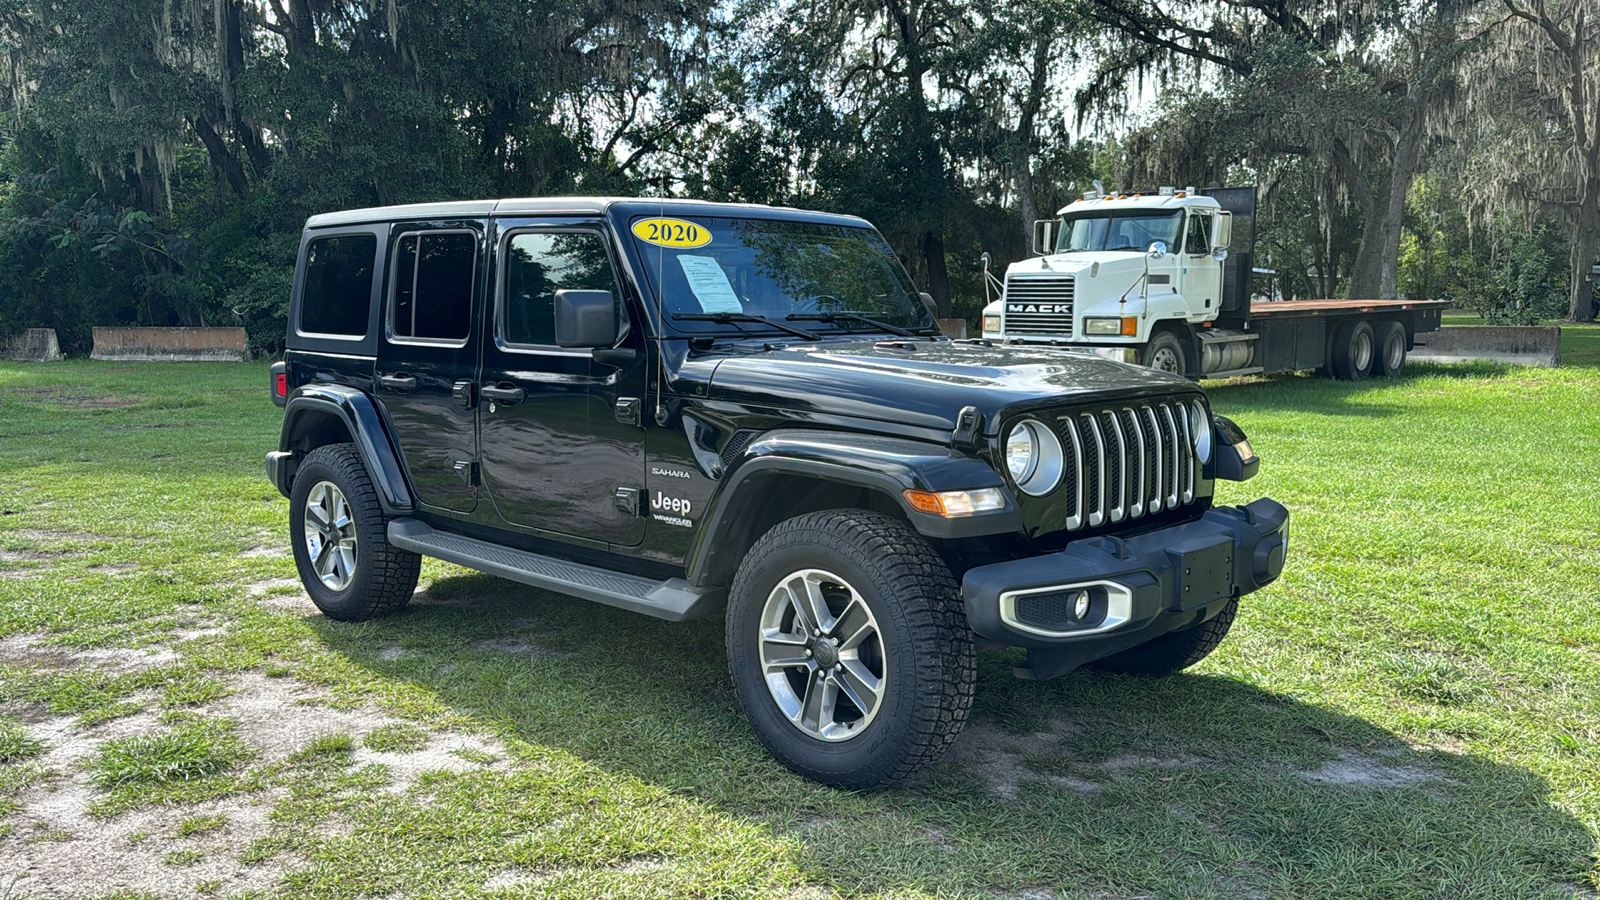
(399, 382)
(502, 394)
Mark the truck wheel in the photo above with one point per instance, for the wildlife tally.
(1391, 358)
(339, 536)
(1353, 346)
(1165, 353)
(849, 648)
(1175, 651)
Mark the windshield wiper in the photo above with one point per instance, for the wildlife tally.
(854, 317)
(726, 317)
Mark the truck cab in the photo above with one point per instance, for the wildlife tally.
(1115, 271)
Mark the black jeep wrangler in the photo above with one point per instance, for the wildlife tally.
(681, 408)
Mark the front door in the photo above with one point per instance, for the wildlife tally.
(557, 453)
(428, 356)
(1201, 273)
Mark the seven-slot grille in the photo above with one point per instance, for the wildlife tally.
(1039, 305)
(1127, 462)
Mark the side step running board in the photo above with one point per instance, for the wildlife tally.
(673, 599)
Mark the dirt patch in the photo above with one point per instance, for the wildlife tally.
(149, 426)
(120, 568)
(31, 650)
(1151, 761)
(38, 535)
(78, 401)
(517, 646)
(264, 550)
(1000, 757)
(1368, 771)
(134, 851)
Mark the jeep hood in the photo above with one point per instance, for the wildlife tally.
(926, 383)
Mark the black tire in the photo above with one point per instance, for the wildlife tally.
(1354, 348)
(926, 663)
(1390, 359)
(382, 578)
(1165, 353)
(1175, 651)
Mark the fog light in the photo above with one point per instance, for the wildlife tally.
(1080, 606)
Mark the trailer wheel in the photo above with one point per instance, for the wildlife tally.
(1353, 347)
(1165, 353)
(1391, 356)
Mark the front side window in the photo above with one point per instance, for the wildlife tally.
(1131, 230)
(540, 263)
(337, 293)
(1195, 240)
(433, 287)
(819, 275)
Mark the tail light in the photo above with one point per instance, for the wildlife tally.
(280, 383)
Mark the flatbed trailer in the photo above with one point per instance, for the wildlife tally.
(1345, 338)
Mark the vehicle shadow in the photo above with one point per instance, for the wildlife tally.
(1197, 785)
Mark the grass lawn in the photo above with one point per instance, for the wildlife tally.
(1411, 712)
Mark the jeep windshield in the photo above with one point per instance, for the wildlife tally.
(729, 275)
(1130, 230)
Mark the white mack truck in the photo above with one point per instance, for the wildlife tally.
(1163, 279)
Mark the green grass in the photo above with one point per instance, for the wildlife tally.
(1435, 634)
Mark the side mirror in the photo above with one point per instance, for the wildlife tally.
(1221, 230)
(586, 319)
(927, 300)
(987, 260)
(1158, 249)
(1044, 232)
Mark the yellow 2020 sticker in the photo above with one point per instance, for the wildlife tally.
(671, 233)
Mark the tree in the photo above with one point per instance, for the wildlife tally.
(1536, 109)
(1356, 87)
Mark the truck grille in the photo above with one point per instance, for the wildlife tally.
(1038, 305)
(1128, 462)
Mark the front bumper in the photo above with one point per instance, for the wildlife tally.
(1104, 594)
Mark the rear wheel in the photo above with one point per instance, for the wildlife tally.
(1391, 357)
(340, 540)
(1165, 353)
(1353, 350)
(849, 648)
(1175, 651)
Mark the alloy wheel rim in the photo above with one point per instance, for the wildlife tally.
(822, 655)
(330, 533)
(1363, 352)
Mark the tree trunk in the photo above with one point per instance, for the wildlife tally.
(1585, 245)
(221, 156)
(938, 275)
(1408, 148)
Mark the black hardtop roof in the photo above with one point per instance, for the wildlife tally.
(592, 206)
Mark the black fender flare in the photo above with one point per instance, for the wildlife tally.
(368, 431)
(889, 466)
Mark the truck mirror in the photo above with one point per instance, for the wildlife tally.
(987, 260)
(1221, 230)
(927, 300)
(1044, 232)
(1158, 249)
(587, 319)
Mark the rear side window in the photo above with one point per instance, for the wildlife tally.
(433, 286)
(338, 285)
(537, 265)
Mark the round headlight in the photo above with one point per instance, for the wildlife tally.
(1200, 427)
(1034, 457)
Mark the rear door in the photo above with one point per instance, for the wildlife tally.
(562, 450)
(428, 357)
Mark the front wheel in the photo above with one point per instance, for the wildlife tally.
(340, 540)
(849, 648)
(1165, 353)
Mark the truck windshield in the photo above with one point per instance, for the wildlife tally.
(1129, 230)
(717, 273)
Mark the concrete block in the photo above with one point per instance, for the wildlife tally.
(953, 328)
(1517, 345)
(31, 345)
(169, 344)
